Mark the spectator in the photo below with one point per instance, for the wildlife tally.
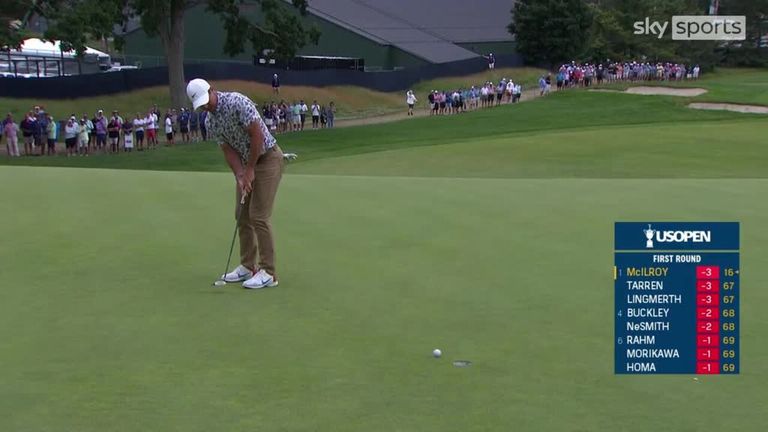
(275, 84)
(315, 115)
(184, 125)
(194, 125)
(410, 100)
(128, 135)
(152, 123)
(41, 127)
(10, 131)
(139, 123)
(169, 128)
(113, 131)
(283, 117)
(174, 120)
(518, 92)
(297, 116)
(83, 137)
(323, 116)
(27, 133)
(331, 114)
(50, 131)
(100, 126)
(431, 100)
(266, 114)
(303, 113)
(491, 61)
(89, 130)
(203, 128)
(71, 131)
(120, 122)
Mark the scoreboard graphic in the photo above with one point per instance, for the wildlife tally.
(676, 290)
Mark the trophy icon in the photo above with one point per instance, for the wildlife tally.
(649, 235)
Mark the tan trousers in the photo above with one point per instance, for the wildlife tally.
(254, 224)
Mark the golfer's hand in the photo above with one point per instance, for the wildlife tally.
(246, 181)
(290, 156)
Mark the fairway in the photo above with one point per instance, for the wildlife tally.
(107, 273)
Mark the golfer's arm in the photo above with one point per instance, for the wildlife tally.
(257, 144)
(232, 158)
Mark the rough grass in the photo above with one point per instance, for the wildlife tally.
(351, 102)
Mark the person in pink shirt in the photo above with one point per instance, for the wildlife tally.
(11, 131)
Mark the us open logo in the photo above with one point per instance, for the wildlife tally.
(672, 236)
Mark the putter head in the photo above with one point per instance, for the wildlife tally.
(219, 283)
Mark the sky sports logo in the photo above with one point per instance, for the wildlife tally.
(696, 27)
(675, 236)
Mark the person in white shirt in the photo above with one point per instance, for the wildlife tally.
(71, 130)
(315, 115)
(152, 120)
(411, 100)
(168, 129)
(484, 94)
(83, 137)
(139, 123)
(510, 90)
(303, 113)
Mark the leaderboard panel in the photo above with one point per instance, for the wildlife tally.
(676, 297)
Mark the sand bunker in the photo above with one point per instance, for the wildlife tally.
(664, 91)
(667, 91)
(749, 109)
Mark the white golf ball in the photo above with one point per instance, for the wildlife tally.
(437, 353)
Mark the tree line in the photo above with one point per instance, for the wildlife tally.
(552, 32)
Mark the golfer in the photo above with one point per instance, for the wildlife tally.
(257, 163)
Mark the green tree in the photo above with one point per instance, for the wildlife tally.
(551, 31)
(282, 30)
(754, 50)
(613, 32)
(13, 17)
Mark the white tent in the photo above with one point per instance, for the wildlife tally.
(39, 47)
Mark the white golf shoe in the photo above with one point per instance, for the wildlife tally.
(239, 274)
(261, 279)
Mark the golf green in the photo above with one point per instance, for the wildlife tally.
(108, 320)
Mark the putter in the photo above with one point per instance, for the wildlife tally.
(221, 281)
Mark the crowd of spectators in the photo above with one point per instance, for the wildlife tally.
(37, 133)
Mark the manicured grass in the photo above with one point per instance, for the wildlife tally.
(746, 86)
(668, 150)
(110, 323)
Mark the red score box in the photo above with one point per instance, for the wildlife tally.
(708, 313)
(707, 285)
(708, 327)
(707, 368)
(708, 341)
(707, 300)
(707, 272)
(708, 354)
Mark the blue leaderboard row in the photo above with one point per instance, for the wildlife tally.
(676, 297)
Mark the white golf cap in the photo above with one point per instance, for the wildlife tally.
(197, 92)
